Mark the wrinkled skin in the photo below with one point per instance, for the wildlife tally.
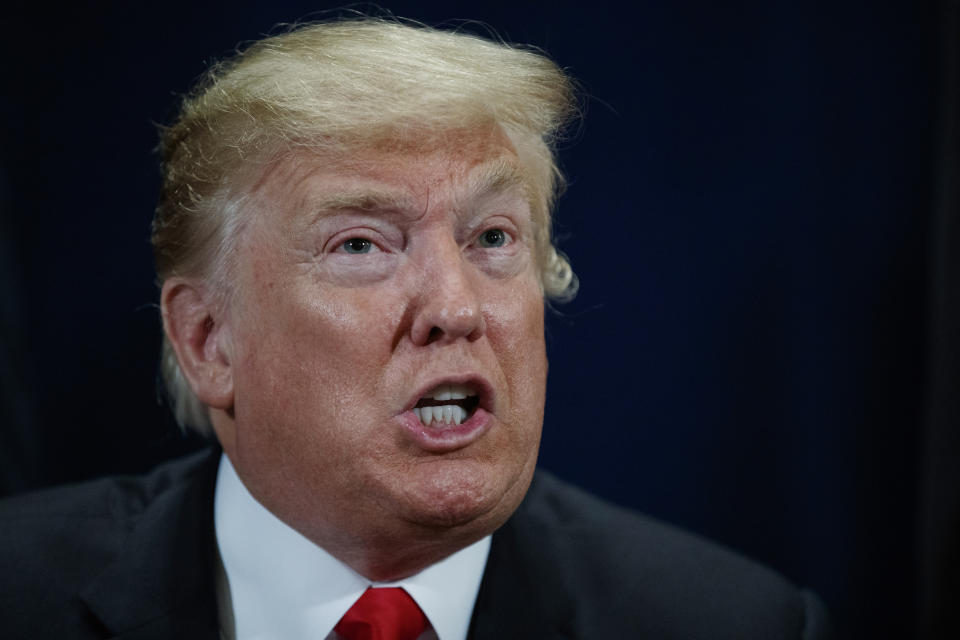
(329, 342)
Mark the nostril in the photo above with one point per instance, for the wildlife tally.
(439, 323)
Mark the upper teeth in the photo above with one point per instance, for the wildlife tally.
(449, 392)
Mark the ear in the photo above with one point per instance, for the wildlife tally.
(200, 340)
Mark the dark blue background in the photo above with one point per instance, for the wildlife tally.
(749, 213)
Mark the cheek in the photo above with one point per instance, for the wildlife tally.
(309, 354)
(517, 327)
(520, 320)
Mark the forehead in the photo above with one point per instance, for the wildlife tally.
(458, 164)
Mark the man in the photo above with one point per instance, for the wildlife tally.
(354, 247)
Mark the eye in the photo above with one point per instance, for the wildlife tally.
(493, 238)
(357, 245)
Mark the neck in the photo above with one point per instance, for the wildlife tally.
(393, 558)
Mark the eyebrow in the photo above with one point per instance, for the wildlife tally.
(496, 176)
(360, 200)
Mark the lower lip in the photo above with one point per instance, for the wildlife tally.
(446, 437)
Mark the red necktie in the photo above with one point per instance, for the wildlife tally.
(386, 613)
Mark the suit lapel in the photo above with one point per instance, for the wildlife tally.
(522, 594)
(161, 584)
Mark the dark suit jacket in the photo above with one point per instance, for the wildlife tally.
(133, 558)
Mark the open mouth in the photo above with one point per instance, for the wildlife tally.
(447, 404)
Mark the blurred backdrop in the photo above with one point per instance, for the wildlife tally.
(762, 212)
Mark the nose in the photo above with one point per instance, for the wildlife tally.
(448, 302)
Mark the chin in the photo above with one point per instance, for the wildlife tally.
(466, 495)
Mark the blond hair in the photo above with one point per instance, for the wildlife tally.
(333, 87)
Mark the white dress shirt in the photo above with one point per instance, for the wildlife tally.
(281, 586)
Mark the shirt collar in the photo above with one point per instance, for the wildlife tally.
(282, 585)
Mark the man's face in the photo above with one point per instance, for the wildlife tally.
(368, 291)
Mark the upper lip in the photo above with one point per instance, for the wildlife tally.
(478, 383)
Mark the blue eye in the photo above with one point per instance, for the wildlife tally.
(493, 238)
(357, 245)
